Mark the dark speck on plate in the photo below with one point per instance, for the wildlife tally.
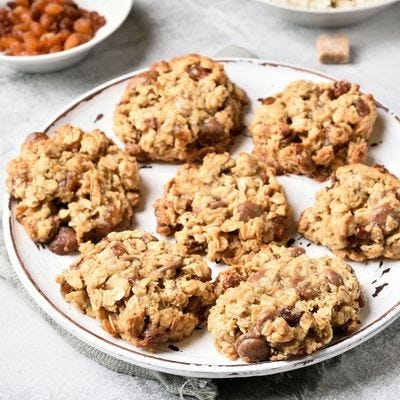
(378, 289)
(172, 347)
(145, 166)
(40, 246)
(99, 117)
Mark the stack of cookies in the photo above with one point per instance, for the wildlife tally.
(77, 190)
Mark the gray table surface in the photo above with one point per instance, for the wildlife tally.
(35, 363)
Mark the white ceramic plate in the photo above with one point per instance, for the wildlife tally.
(37, 267)
(326, 18)
(114, 14)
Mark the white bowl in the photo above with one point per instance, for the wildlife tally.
(115, 15)
(326, 17)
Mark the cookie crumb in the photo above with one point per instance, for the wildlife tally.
(333, 49)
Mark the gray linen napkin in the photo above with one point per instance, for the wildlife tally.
(202, 389)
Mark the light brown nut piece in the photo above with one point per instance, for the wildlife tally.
(333, 49)
(140, 289)
(72, 186)
(248, 211)
(358, 215)
(224, 207)
(269, 318)
(180, 110)
(313, 128)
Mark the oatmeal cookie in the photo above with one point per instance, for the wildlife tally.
(143, 290)
(180, 110)
(358, 216)
(72, 186)
(251, 263)
(289, 308)
(313, 128)
(224, 207)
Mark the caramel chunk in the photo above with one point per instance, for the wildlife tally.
(333, 49)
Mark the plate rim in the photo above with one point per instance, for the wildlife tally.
(151, 361)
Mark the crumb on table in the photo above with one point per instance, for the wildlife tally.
(333, 49)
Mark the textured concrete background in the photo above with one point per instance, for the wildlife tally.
(35, 362)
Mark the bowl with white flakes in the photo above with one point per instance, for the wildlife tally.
(326, 13)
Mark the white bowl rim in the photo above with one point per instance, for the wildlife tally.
(341, 10)
(152, 361)
(75, 50)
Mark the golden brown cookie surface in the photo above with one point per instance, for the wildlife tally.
(252, 263)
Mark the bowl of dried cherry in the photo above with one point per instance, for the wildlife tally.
(49, 35)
